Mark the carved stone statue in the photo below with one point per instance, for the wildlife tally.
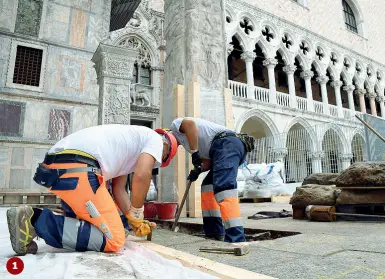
(140, 93)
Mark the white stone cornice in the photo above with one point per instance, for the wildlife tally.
(289, 69)
(248, 56)
(307, 75)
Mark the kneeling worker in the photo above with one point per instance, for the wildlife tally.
(226, 150)
(76, 169)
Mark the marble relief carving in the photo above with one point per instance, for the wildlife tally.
(72, 73)
(59, 124)
(28, 17)
(117, 105)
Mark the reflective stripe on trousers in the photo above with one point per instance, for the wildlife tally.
(220, 206)
(76, 189)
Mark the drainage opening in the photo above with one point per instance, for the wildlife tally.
(250, 234)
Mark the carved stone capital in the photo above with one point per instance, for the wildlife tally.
(360, 92)
(230, 49)
(322, 79)
(336, 84)
(349, 88)
(289, 69)
(270, 62)
(307, 75)
(162, 47)
(248, 56)
(372, 95)
(381, 99)
(280, 153)
(345, 157)
(318, 155)
(114, 62)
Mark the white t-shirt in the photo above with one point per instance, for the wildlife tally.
(116, 147)
(206, 132)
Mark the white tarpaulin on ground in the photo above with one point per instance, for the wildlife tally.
(134, 261)
(261, 180)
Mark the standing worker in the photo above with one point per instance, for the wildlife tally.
(226, 150)
(76, 169)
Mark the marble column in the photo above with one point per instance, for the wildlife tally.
(361, 93)
(270, 64)
(372, 99)
(350, 89)
(196, 58)
(289, 70)
(114, 68)
(381, 99)
(158, 73)
(248, 57)
(323, 80)
(317, 161)
(307, 76)
(337, 89)
(345, 160)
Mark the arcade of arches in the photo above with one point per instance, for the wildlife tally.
(304, 150)
(238, 60)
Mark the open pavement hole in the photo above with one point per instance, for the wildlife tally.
(197, 230)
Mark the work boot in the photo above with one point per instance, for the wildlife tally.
(21, 230)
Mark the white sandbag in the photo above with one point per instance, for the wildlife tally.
(152, 193)
(240, 175)
(251, 189)
(270, 175)
(241, 188)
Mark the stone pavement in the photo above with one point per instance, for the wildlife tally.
(321, 250)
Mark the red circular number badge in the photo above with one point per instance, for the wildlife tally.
(15, 265)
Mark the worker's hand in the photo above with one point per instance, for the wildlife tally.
(194, 174)
(196, 159)
(135, 219)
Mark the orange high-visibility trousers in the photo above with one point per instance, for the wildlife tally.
(76, 189)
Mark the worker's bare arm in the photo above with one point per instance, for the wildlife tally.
(190, 128)
(120, 194)
(142, 179)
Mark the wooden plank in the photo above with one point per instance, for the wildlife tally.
(254, 200)
(194, 110)
(202, 264)
(180, 157)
